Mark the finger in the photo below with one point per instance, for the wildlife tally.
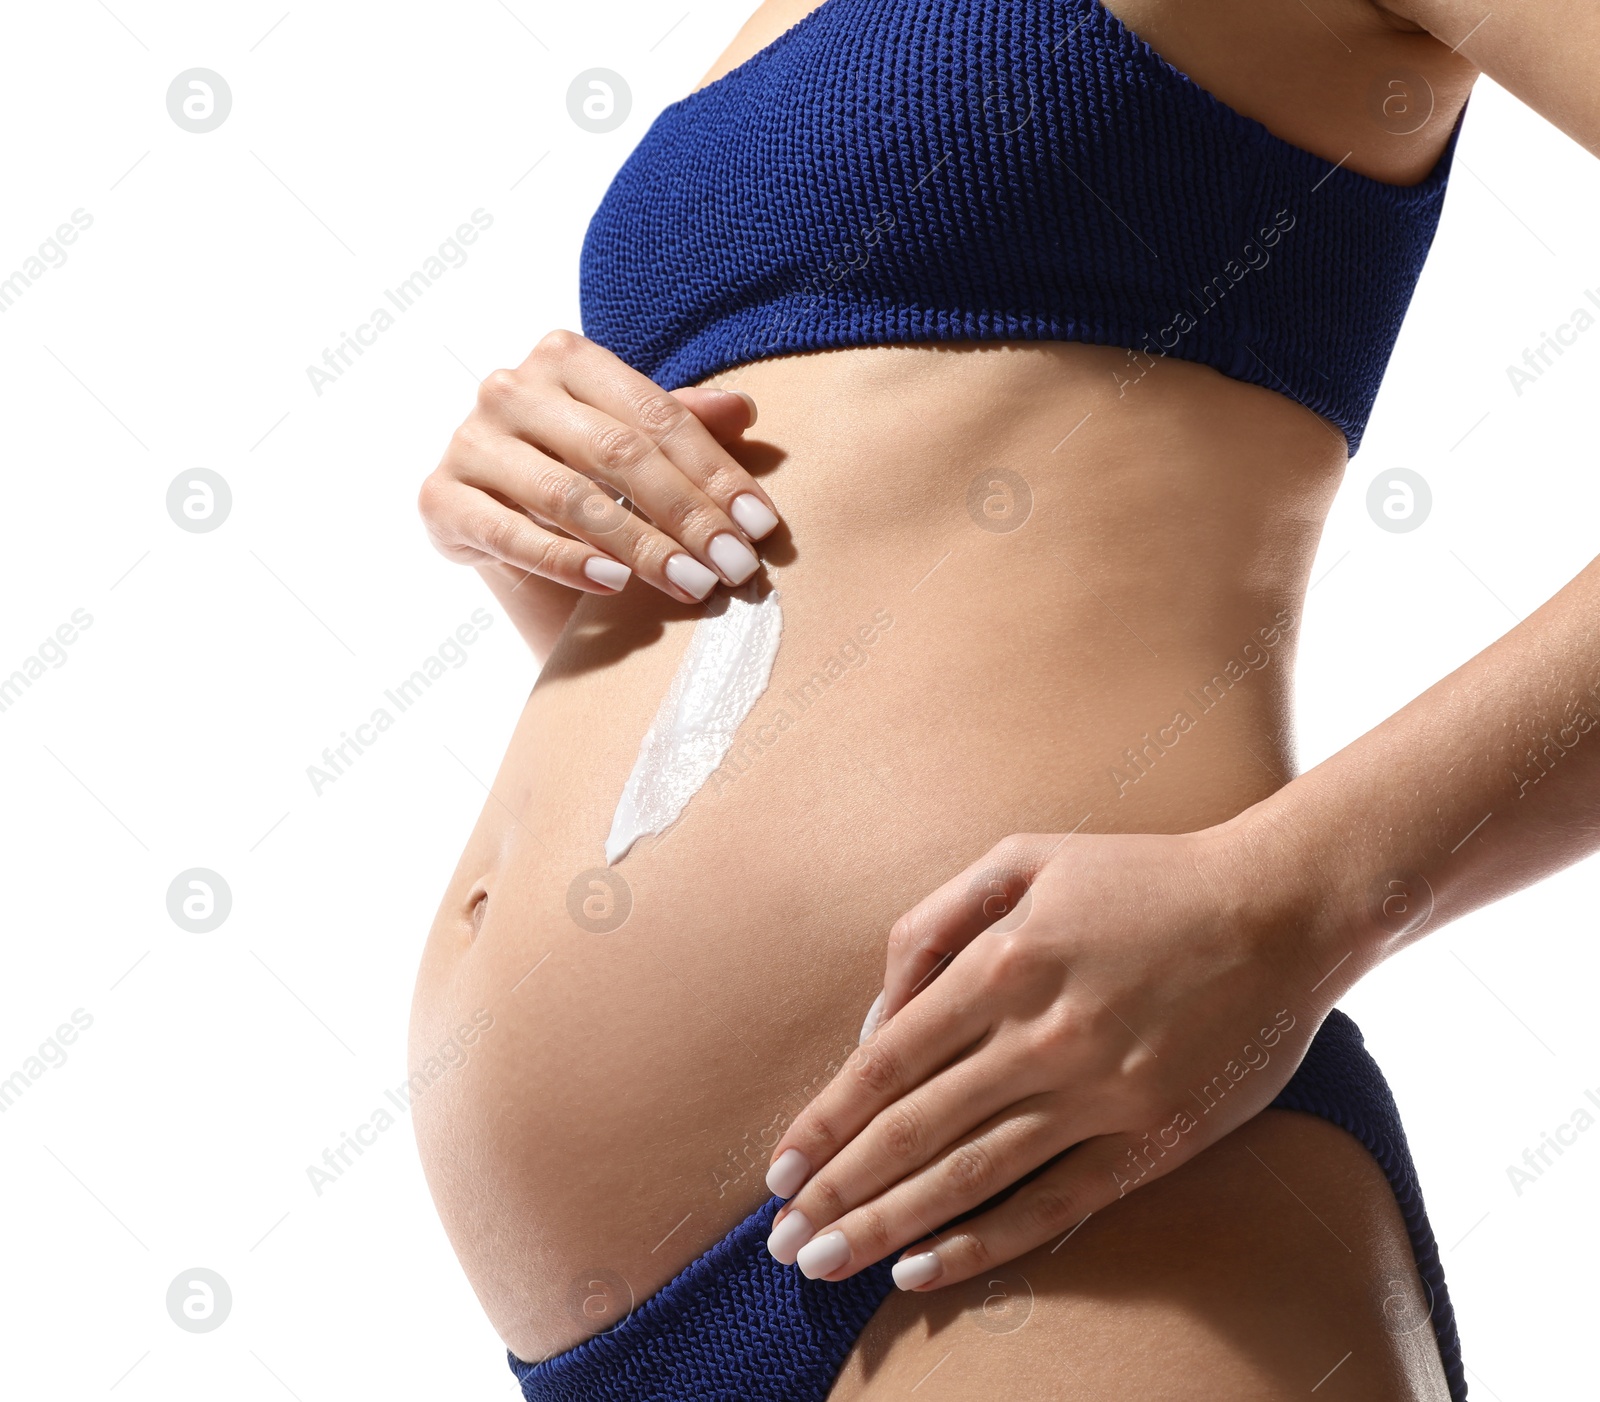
(595, 376)
(970, 1172)
(628, 459)
(478, 523)
(992, 890)
(611, 422)
(708, 546)
(726, 413)
(902, 1140)
(1045, 1210)
(878, 1073)
(568, 501)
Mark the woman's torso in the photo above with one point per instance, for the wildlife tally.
(1022, 590)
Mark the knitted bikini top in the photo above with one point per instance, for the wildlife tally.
(891, 171)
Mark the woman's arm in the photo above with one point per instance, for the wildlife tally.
(1487, 782)
(1500, 790)
(1542, 51)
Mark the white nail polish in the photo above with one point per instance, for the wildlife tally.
(733, 557)
(916, 1270)
(823, 1256)
(788, 1172)
(874, 1016)
(612, 573)
(754, 516)
(690, 575)
(786, 1239)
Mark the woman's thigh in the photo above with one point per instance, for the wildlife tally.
(1274, 1265)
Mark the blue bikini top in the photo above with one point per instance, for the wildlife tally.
(892, 171)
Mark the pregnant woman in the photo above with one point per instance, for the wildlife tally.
(957, 688)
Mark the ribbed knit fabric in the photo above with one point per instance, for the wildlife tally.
(735, 1326)
(1339, 1081)
(997, 170)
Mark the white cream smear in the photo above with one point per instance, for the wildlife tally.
(717, 684)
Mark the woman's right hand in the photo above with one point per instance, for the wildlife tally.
(518, 484)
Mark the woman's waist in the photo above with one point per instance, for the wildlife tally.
(1136, 470)
(870, 766)
(993, 680)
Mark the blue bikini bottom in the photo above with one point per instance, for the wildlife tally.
(735, 1325)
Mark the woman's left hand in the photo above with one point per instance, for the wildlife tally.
(1130, 999)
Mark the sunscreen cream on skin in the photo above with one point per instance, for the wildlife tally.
(718, 682)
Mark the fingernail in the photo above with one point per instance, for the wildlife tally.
(917, 1270)
(822, 1256)
(754, 516)
(691, 576)
(874, 1016)
(748, 400)
(789, 1236)
(733, 557)
(611, 573)
(789, 1170)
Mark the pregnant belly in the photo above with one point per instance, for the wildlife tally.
(641, 1034)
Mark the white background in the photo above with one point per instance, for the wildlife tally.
(218, 666)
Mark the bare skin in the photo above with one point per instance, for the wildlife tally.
(617, 1117)
(1202, 1286)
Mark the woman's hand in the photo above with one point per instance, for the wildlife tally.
(1130, 999)
(570, 417)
